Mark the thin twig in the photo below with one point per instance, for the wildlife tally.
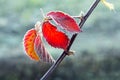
(63, 55)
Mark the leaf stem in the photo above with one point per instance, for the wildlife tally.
(63, 55)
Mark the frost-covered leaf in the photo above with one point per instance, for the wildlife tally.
(54, 37)
(65, 21)
(34, 47)
(41, 51)
(28, 43)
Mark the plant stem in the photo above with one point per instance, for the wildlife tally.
(63, 55)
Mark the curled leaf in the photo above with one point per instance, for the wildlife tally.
(41, 51)
(107, 4)
(54, 37)
(28, 43)
(65, 21)
(34, 47)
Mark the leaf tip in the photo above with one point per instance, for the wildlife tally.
(107, 4)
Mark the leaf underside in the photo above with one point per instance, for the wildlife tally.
(65, 21)
(41, 51)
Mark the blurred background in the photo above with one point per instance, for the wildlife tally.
(97, 48)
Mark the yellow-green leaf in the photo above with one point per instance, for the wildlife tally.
(107, 4)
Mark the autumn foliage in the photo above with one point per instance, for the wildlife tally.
(33, 44)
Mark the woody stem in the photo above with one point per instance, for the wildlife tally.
(63, 55)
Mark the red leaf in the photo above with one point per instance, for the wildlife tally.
(55, 38)
(28, 43)
(65, 21)
(41, 51)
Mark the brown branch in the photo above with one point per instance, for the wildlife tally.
(63, 55)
